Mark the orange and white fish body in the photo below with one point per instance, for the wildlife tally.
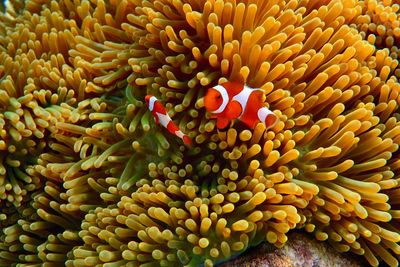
(161, 116)
(230, 101)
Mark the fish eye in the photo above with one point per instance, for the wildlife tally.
(219, 97)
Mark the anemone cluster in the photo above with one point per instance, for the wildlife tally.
(87, 177)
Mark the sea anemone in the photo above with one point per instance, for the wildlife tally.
(89, 177)
(379, 25)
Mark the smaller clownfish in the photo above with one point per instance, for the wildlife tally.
(161, 116)
(231, 100)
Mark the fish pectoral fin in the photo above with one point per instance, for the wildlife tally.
(233, 110)
(213, 116)
(156, 119)
(222, 123)
(259, 93)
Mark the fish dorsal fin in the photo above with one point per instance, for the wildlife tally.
(233, 88)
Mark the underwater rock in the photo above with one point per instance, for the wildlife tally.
(299, 251)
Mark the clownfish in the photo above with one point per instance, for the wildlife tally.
(232, 100)
(161, 116)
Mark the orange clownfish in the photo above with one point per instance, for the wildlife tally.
(231, 100)
(161, 116)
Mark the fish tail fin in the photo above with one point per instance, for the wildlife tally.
(186, 139)
(267, 117)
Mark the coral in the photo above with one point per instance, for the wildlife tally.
(87, 177)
